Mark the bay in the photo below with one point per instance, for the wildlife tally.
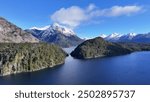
(131, 69)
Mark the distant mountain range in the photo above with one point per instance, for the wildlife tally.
(56, 34)
(13, 34)
(131, 37)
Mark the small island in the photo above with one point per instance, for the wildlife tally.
(98, 47)
(28, 57)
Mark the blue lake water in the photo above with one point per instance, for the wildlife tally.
(131, 69)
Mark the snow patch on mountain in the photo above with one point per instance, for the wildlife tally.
(103, 35)
(132, 34)
(117, 36)
(42, 28)
(113, 37)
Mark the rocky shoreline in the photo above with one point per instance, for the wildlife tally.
(38, 69)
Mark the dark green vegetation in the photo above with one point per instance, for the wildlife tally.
(98, 47)
(27, 57)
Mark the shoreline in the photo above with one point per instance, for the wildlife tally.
(42, 68)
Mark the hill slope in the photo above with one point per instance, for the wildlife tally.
(13, 34)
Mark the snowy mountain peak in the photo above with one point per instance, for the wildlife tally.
(62, 29)
(132, 34)
(129, 36)
(55, 27)
(57, 34)
(42, 28)
(103, 35)
(114, 35)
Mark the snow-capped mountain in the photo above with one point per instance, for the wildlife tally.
(103, 35)
(112, 37)
(131, 37)
(50, 29)
(127, 38)
(10, 33)
(55, 33)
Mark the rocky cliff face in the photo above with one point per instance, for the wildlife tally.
(27, 57)
(11, 33)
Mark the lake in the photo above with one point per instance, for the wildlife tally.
(131, 69)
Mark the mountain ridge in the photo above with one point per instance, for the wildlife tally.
(10, 33)
(57, 34)
(130, 37)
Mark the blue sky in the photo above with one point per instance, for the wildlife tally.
(88, 18)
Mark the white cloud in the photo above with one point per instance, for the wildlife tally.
(121, 10)
(91, 7)
(74, 16)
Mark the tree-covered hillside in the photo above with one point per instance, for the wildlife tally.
(27, 57)
(98, 47)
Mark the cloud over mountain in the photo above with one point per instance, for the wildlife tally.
(75, 15)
